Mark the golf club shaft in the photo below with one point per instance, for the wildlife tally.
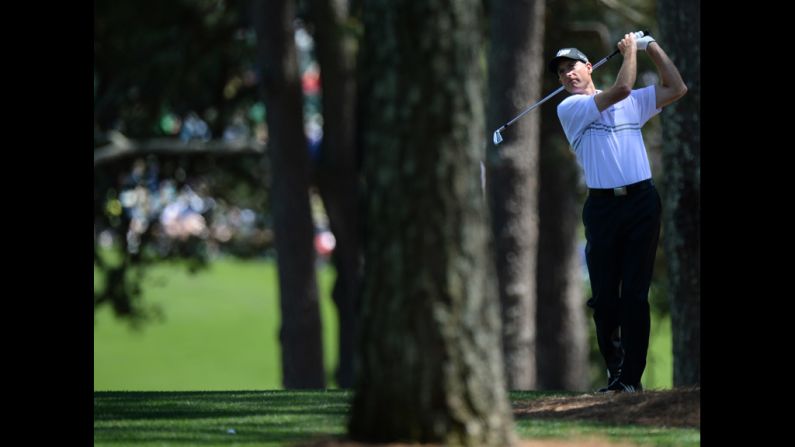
(505, 126)
(531, 107)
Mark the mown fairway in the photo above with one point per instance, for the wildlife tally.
(220, 332)
(285, 418)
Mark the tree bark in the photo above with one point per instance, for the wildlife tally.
(337, 171)
(562, 348)
(562, 331)
(515, 69)
(680, 30)
(430, 358)
(300, 333)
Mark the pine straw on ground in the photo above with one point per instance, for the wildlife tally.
(670, 408)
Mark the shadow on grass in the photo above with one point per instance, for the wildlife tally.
(282, 418)
(671, 408)
(218, 416)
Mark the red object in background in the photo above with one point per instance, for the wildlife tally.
(310, 82)
(325, 243)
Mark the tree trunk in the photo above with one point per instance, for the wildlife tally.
(337, 175)
(300, 333)
(680, 32)
(430, 360)
(562, 332)
(562, 348)
(515, 69)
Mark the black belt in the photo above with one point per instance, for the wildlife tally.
(622, 190)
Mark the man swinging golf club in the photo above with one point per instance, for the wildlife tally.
(622, 212)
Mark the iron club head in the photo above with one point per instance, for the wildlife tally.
(497, 137)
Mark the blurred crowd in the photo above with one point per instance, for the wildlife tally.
(175, 214)
(172, 214)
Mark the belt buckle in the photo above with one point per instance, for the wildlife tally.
(621, 191)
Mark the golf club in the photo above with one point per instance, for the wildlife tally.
(497, 137)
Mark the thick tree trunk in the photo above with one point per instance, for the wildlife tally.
(337, 174)
(430, 357)
(300, 333)
(680, 33)
(515, 69)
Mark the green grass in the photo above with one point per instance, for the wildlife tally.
(220, 336)
(261, 418)
(220, 331)
(283, 418)
(659, 360)
(636, 434)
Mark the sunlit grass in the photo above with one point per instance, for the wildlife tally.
(220, 331)
(282, 418)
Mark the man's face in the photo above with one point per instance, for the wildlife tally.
(575, 76)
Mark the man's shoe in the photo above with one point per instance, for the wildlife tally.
(612, 377)
(621, 387)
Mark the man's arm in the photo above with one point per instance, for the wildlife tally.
(626, 75)
(671, 86)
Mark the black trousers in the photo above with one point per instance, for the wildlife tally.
(622, 233)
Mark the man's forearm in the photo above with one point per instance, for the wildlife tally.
(626, 75)
(669, 75)
(628, 72)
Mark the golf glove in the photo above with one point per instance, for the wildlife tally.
(644, 42)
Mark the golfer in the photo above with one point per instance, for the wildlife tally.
(622, 212)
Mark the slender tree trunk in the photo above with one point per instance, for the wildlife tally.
(562, 348)
(562, 332)
(515, 69)
(337, 175)
(680, 31)
(431, 366)
(300, 333)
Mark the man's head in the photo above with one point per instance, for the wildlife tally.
(573, 70)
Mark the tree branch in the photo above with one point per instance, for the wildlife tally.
(121, 147)
(625, 10)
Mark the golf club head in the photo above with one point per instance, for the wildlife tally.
(497, 137)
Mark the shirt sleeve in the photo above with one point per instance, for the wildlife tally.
(645, 102)
(575, 114)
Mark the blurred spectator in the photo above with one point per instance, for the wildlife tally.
(324, 243)
(310, 80)
(237, 129)
(194, 128)
(314, 136)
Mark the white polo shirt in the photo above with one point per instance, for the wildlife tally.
(609, 145)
